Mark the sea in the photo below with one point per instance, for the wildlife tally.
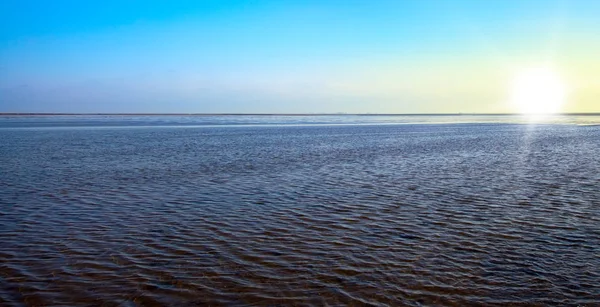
(303, 210)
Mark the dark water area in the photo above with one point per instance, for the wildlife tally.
(417, 214)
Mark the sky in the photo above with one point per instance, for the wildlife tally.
(288, 56)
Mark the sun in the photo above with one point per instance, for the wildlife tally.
(538, 91)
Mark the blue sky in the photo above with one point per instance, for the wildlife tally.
(287, 56)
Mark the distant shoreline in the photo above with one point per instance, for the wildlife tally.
(287, 114)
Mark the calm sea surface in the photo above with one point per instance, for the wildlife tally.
(302, 210)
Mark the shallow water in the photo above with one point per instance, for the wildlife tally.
(298, 212)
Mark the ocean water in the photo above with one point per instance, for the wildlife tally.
(300, 210)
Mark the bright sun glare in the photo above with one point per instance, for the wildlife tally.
(538, 91)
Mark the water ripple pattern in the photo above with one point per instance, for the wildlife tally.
(392, 215)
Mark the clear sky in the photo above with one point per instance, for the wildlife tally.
(287, 56)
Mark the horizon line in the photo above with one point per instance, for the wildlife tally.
(292, 114)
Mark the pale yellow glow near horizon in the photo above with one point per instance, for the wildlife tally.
(538, 91)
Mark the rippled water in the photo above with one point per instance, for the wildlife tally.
(201, 214)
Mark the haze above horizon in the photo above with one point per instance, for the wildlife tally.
(458, 56)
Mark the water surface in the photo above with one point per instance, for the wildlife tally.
(188, 211)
